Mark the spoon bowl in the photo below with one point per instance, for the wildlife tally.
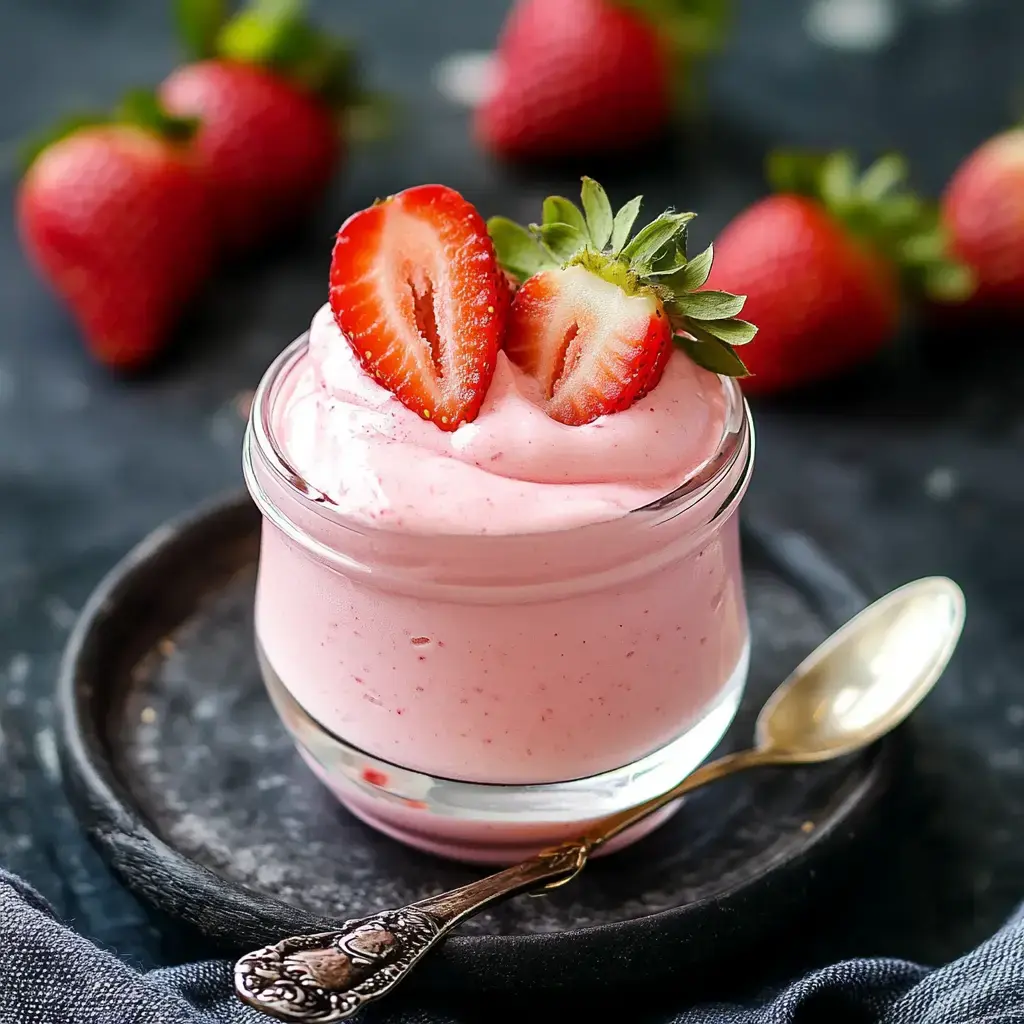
(867, 677)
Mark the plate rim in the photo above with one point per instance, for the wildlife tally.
(120, 829)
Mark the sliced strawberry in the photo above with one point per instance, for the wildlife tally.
(601, 309)
(417, 291)
(590, 346)
(657, 367)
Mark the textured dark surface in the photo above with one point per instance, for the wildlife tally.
(914, 467)
(171, 733)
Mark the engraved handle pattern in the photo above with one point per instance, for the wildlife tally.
(330, 976)
(318, 979)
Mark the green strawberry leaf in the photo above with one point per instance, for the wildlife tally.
(668, 263)
(690, 31)
(563, 241)
(696, 272)
(64, 128)
(623, 223)
(926, 247)
(690, 26)
(730, 330)
(138, 107)
(559, 210)
(277, 35)
(648, 242)
(949, 282)
(714, 355)
(327, 67)
(368, 116)
(142, 108)
(794, 171)
(883, 176)
(882, 212)
(895, 213)
(519, 252)
(599, 212)
(199, 22)
(710, 305)
(251, 39)
(653, 264)
(838, 180)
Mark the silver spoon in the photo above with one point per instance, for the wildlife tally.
(861, 683)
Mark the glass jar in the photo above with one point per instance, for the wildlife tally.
(483, 696)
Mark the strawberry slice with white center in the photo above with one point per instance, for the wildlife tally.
(590, 346)
(417, 291)
(596, 316)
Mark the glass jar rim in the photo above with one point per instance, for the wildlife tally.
(737, 443)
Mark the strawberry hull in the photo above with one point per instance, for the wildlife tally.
(481, 690)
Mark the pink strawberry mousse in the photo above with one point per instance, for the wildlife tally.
(513, 470)
(485, 605)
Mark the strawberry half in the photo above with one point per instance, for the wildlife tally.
(590, 346)
(417, 291)
(596, 316)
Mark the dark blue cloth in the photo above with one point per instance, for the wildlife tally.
(50, 975)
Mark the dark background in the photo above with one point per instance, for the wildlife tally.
(914, 466)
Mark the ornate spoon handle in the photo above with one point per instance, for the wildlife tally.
(331, 976)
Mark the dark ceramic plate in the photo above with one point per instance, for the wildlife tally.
(192, 791)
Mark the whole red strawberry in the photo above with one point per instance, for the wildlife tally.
(826, 263)
(418, 294)
(983, 211)
(115, 217)
(598, 311)
(267, 96)
(267, 150)
(583, 76)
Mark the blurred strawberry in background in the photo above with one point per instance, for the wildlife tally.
(577, 77)
(983, 211)
(827, 262)
(125, 215)
(270, 91)
(114, 215)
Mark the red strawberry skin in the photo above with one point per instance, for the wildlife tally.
(822, 301)
(574, 77)
(592, 349)
(267, 149)
(983, 211)
(117, 221)
(417, 291)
